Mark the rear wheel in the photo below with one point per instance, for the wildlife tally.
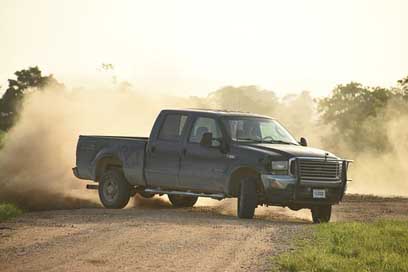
(247, 200)
(182, 201)
(114, 191)
(321, 214)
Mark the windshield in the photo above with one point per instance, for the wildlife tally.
(257, 130)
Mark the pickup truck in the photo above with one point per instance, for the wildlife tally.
(195, 153)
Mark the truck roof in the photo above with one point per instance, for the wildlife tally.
(218, 112)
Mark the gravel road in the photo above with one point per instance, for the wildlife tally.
(155, 237)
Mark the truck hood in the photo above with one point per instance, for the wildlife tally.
(293, 150)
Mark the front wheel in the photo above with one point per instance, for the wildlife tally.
(181, 201)
(114, 191)
(247, 200)
(321, 214)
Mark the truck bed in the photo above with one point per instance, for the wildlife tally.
(115, 137)
(92, 150)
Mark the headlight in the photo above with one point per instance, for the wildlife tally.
(280, 167)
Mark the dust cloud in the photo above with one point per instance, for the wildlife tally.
(384, 174)
(39, 152)
(156, 202)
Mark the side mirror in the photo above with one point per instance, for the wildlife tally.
(206, 139)
(303, 141)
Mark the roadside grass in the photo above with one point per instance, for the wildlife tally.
(376, 246)
(8, 210)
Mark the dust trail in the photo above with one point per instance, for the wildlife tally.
(39, 152)
(386, 173)
(229, 207)
(155, 202)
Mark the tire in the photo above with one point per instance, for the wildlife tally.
(247, 200)
(114, 191)
(321, 214)
(181, 201)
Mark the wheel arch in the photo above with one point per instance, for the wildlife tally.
(105, 162)
(234, 183)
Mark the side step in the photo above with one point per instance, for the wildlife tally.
(162, 192)
(158, 191)
(92, 186)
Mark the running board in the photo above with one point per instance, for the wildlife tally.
(214, 196)
(92, 186)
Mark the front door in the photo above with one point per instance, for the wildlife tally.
(203, 168)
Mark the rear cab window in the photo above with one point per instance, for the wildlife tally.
(172, 127)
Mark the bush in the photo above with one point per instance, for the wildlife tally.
(8, 211)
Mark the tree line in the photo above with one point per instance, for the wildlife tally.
(357, 115)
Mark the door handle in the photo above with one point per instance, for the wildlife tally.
(184, 152)
(152, 149)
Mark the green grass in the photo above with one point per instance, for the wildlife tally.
(378, 246)
(8, 211)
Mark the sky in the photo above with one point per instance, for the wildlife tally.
(196, 47)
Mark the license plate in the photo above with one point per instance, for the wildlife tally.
(319, 193)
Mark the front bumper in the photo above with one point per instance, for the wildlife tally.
(286, 191)
(271, 182)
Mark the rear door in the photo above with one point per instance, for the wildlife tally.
(163, 154)
(203, 168)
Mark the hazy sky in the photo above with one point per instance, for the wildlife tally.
(194, 47)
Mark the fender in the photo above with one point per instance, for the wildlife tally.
(108, 152)
(235, 169)
(130, 159)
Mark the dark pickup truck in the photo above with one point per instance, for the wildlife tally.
(217, 154)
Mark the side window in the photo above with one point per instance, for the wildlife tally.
(203, 125)
(172, 127)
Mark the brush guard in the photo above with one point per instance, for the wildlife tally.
(343, 184)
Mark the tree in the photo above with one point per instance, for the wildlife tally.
(27, 79)
(404, 85)
(357, 116)
(244, 98)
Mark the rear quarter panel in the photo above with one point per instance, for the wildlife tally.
(91, 150)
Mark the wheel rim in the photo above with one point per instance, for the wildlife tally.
(110, 190)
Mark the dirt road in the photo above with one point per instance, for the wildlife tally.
(155, 237)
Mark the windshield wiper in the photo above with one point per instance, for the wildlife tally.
(250, 139)
(265, 141)
(279, 142)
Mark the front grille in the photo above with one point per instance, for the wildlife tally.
(319, 170)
